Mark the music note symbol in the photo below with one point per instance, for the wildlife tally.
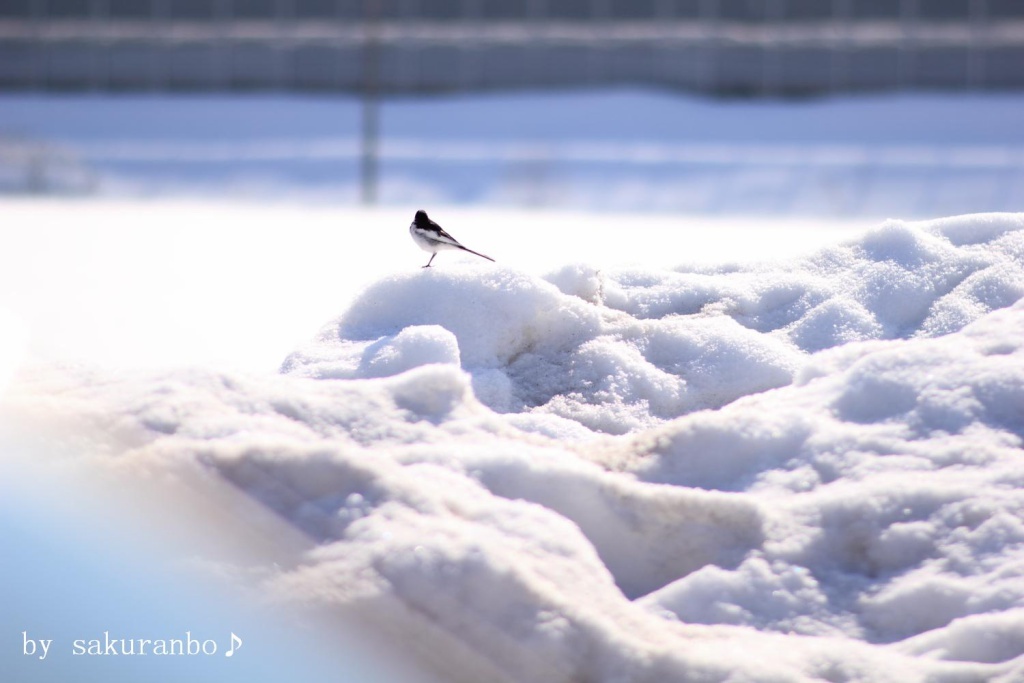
(236, 643)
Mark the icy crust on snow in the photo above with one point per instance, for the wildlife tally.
(626, 348)
(863, 521)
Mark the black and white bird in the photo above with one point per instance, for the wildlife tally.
(430, 237)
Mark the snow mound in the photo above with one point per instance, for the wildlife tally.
(863, 521)
(496, 554)
(531, 347)
(895, 467)
(899, 280)
(624, 349)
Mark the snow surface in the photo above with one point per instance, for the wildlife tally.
(621, 349)
(792, 470)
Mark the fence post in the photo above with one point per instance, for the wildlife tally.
(711, 18)
(906, 61)
(284, 14)
(38, 76)
(977, 19)
(840, 68)
(98, 54)
(371, 103)
(771, 66)
(158, 65)
(223, 11)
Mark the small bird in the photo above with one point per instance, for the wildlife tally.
(430, 237)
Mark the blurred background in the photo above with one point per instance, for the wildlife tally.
(781, 107)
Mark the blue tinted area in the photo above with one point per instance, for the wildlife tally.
(66, 578)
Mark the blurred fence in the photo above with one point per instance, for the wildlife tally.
(839, 179)
(771, 47)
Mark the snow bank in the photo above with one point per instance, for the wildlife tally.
(894, 471)
(850, 508)
(623, 349)
(530, 346)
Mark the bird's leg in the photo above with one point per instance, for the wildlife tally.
(431, 260)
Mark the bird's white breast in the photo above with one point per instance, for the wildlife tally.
(421, 239)
(429, 241)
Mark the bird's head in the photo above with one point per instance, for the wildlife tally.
(421, 216)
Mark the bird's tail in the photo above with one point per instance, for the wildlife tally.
(477, 253)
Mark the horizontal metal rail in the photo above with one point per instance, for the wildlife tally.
(830, 33)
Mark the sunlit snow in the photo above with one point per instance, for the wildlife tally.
(800, 465)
